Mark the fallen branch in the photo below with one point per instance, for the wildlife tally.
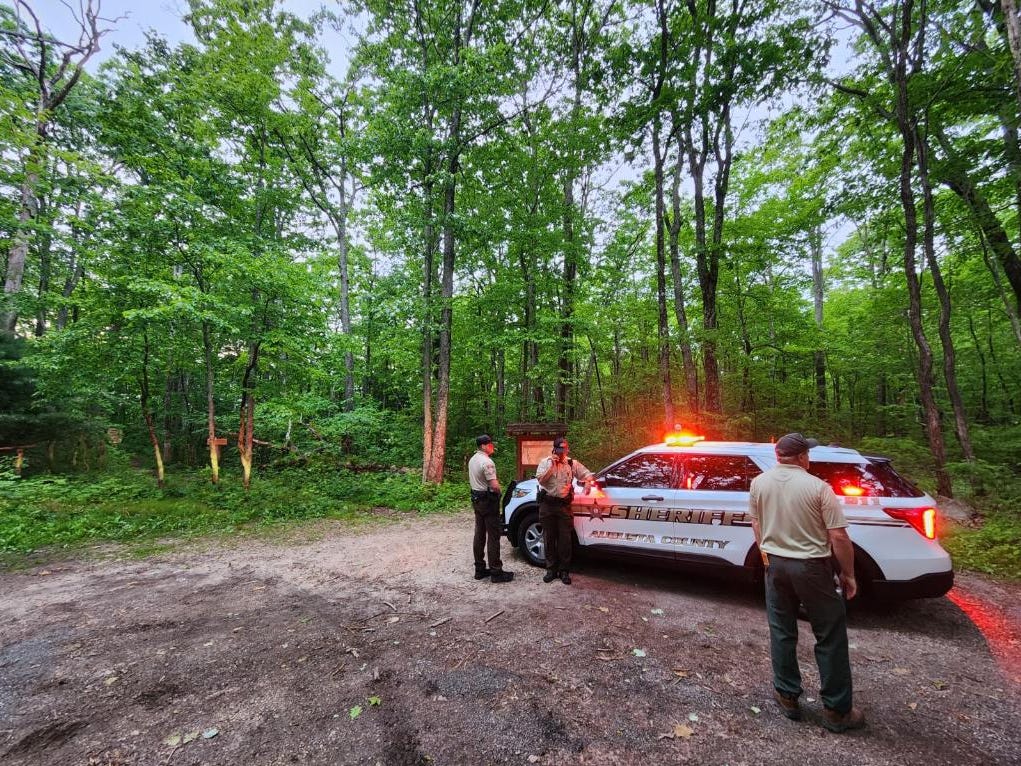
(441, 622)
(494, 616)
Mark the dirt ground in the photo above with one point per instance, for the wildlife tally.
(255, 652)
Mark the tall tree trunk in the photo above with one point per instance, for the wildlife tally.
(150, 422)
(28, 210)
(747, 391)
(565, 361)
(317, 179)
(77, 271)
(214, 448)
(45, 272)
(531, 389)
(54, 78)
(680, 311)
(662, 325)
(168, 391)
(900, 41)
(983, 408)
(428, 308)
(246, 425)
(345, 309)
(434, 472)
(817, 302)
(1013, 27)
(947, 342)
(926, 382)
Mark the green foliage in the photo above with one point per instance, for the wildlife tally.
(993, 548)
(374, 435)
(66, 512)
(910, 457)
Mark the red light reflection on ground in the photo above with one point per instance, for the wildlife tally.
(1002, 634)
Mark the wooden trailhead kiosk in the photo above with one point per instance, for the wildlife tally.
(534, 441)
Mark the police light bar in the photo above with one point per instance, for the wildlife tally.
(682, 439)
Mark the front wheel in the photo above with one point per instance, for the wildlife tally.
(530, 540)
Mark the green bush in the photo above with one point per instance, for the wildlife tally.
(65, 511)
(994, 548)
(373, 435)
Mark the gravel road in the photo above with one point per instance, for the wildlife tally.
(376, 646)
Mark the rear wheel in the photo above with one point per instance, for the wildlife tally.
(530, 540)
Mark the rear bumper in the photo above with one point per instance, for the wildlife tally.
(931, 585)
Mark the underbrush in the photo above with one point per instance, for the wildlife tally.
(62, 511)
(993, 548)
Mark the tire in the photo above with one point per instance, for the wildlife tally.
(530, 540)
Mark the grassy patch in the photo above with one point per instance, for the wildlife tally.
(59, 512)
(993, 548)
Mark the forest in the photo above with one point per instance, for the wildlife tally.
(351, 241)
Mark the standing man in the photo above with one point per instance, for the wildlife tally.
(799, 525)
(485, 494)
(556, 475)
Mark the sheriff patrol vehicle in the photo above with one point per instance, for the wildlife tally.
(684, 502)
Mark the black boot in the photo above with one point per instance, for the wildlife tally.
(565, 577)
(502, 576)
(481, 573)
(550, 576)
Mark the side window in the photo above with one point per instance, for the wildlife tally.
(648, 470)
(730, 473)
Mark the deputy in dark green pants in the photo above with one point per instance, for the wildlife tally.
(800, 527)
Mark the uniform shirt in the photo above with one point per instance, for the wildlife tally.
(481, 470)
(794, 510)
(557, 484)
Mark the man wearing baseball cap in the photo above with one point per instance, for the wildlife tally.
(485, 497)
(800, 527)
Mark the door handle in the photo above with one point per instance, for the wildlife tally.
(652, 497)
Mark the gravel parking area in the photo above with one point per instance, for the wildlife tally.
(376, 646)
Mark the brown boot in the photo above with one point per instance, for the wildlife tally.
(788, 705)
(840, 722)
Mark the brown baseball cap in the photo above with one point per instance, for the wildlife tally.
(793, 445)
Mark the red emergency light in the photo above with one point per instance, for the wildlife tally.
(682, 438)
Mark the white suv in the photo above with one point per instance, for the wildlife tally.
(684, 502)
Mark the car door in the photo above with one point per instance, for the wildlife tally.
(629, 510)
(712, 523)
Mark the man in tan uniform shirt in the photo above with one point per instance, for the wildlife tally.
(556, 475)
(485, 497)
(799, 525)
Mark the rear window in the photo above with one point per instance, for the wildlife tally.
(873, 479)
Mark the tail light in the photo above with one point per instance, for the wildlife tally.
(922, 519)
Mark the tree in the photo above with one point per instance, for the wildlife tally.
(443, 68)
(55, 68)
